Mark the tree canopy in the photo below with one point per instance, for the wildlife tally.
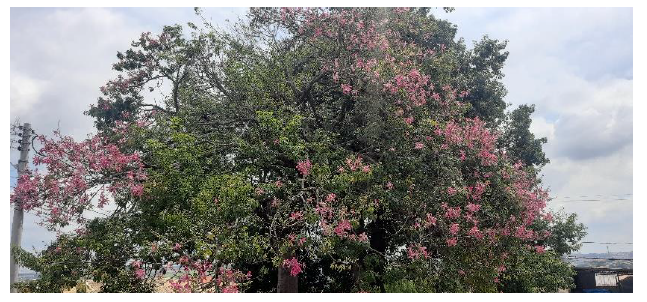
(313, 150)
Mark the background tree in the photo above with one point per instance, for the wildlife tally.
(314, 149)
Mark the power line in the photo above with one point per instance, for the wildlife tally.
(591, 242)
(595, 196)
(602, 199)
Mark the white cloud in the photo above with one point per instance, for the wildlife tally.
(25, 93)
(542, 128)
(71, 50)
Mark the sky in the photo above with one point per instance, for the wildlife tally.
(574, 64)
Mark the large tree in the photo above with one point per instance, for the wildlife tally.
(335, 150)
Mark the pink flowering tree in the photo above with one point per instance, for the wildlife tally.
(342, 150)
(70, 178)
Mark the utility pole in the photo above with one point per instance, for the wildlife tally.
(16, 225)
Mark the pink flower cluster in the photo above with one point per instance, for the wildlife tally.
(296, 215)
(417, 251)
(355, 164)
(194, 274)
(431, 220)
(331, 197)
(454, 228)
(76, 172)
(342, 228)
(451, 212)
(304, 167)
(474, 136)
(294, 266)
(473, 207)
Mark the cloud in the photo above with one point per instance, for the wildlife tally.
(602, 123)
(25, 93)
(59, 59)
(542, 128)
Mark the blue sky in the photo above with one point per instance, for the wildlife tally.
(574, 64)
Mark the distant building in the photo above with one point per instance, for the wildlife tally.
(597, 274)
(603, 280)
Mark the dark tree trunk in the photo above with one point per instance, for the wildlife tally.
(378, 242)
(287, 283)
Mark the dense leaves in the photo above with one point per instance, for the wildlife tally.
(336, 150)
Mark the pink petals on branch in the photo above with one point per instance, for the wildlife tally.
(293, 265)
(304, 167)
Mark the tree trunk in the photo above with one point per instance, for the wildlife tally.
(378, 242)
(287, 282)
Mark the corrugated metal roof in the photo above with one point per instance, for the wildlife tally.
(606, 279)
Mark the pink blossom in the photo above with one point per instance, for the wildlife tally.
(296, 215)
(475, 232)
(294, 266)
(139, 273)
(342, 228)
(331, 197)
(454, 228)
(409, 120)
(417, 251)
(452, 241)
(230, 288)
(473, 207)
(304, 167)
(389, 185)
(548, 217)
(419, 146)
(136, 264)
(451, 191)
(452, 212)
(540, 249)
(346, 89)
(431, 220)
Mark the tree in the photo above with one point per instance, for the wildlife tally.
(520, 143)
(314, 149)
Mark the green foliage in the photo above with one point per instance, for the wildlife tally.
(566, 234)
(60, 266)
(519, 142)
(531, 272)
(259, 155)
